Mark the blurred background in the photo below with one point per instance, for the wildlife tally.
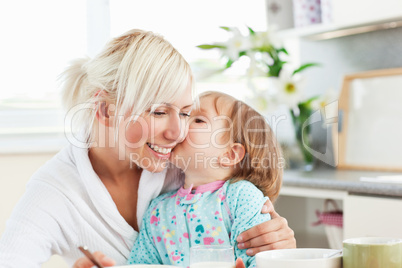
(40, 37)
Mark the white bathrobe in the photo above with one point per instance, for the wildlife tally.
(65, 206)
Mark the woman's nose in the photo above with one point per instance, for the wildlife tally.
(175, 130)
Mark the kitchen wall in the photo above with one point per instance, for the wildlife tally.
(345, 55)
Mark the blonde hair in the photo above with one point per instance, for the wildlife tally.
(135, 70)
(260, 144)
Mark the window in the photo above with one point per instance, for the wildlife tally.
(188, 23)
(40, 37)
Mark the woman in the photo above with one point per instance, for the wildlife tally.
(131, 103)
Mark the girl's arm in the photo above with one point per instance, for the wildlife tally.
(244, 201)
(273, 234)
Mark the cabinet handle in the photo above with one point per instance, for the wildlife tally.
(340, 120)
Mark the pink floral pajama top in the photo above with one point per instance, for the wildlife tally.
(213, 214)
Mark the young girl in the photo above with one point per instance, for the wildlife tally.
(227, 175)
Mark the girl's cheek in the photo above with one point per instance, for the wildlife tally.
(198, 139)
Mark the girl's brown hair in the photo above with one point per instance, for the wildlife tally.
(263, 163)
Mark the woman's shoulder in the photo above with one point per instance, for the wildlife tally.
(47, 189)
(60, 172)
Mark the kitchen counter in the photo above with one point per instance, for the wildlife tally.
(343, 180)
(369, 208)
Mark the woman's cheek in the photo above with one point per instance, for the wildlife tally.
(136, 134)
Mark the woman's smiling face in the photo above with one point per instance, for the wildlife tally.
(149, 140)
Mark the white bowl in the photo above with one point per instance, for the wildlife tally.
(299, 258)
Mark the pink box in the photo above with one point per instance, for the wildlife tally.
(326, 11)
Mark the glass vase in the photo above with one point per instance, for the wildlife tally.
(303, 138)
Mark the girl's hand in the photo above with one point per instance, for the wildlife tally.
(273, 234)
(84, 262)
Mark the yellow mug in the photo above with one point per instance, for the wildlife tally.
(372, 252)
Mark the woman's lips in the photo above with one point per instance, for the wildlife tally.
(159, 151)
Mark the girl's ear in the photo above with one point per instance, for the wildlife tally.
(233, 156)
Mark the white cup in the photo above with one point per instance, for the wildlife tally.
(214, 256)
(299, 258)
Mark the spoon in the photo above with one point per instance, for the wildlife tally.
(90, 256)
(334, 254)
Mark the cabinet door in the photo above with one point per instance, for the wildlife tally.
(372, 216)
(363, 11)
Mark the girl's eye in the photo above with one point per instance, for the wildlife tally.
(199, 121)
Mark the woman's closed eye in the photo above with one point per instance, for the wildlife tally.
(162, 113)
(185, 114)
(159, 112)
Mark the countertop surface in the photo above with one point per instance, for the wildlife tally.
(351, 181)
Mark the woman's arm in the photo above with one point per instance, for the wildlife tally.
(272, 234)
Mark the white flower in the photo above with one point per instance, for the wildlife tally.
(260, 39)
(262, 102)
(262, 97)
(266, 39)
(274, 37)
(255, 69)
(324, 100)
(236, 44)
(289, 88)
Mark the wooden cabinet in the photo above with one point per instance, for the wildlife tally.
(362, 215)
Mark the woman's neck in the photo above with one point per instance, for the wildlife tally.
(108, 166)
